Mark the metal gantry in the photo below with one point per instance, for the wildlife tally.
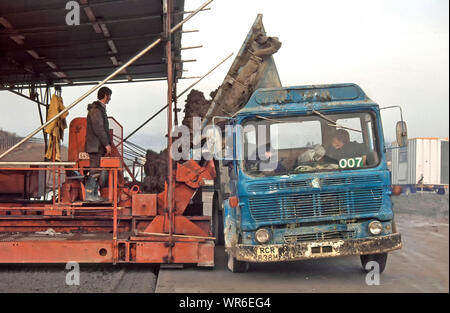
(125, 206)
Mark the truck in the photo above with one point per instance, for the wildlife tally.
(279, 196)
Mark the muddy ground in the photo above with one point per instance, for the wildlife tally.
(420, 266)
(427, 204)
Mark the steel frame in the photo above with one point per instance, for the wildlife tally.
(179, 239)
(83, 233)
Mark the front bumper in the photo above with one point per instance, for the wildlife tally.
(316, 249)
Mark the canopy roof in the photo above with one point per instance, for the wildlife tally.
(38, 47)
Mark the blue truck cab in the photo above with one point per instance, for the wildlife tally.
(308, 178)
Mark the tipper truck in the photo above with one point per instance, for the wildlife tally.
(285, 191)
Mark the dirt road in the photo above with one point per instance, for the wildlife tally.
(420, 266)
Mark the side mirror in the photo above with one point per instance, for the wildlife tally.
(402, 134)
(400, 128)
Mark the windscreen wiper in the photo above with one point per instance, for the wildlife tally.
(333, 123)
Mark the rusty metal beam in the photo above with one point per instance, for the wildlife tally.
(40, 9)
(170, 193)
(19, 39)
(39, 163)
(101, 27)
(73, 69)
(56, 28)
(192, 47)
(75, 84)
(96, 82)
(78, 43)
(98, 77)
(80, 59)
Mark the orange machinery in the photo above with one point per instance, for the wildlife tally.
(132, 227)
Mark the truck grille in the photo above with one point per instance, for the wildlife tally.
(351, 180)
(278, 186)
(264, 187)
(332, 235)
(297, 206)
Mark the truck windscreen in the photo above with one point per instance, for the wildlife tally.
(319, 142)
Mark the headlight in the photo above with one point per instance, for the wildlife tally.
(262, 235)
(375, 227)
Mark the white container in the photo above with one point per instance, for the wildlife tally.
(422, 161)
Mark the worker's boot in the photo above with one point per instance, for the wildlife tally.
(92, 190)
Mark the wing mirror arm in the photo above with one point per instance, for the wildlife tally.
(401, 130)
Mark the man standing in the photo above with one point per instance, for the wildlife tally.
(98, 140)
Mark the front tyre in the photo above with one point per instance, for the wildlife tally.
(380, 258)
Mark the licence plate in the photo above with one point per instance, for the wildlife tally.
(267, 254)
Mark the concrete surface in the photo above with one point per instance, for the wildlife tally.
(93, 278)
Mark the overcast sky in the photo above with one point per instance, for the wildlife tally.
(397, 51)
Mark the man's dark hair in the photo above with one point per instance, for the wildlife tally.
(342, 135)
(102, 92)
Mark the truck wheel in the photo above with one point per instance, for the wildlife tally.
(380, 258)
(217, 222)
(236, 266)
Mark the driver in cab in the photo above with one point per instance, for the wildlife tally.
(342, 148)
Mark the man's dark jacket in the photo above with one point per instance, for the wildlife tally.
(349, 150)
(97, 131)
